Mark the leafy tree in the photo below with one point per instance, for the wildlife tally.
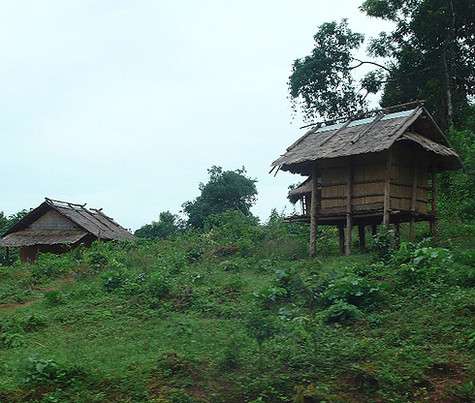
(322, 84)
(167, 225)
(428, 55)
(431, 49)
(225, 190)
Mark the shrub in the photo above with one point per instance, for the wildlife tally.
(115, 277)
(158, 285)
(54, 297)
(97, 259)
(351, 289)
(384, 243)
(342, 312)
(42, 372)
(260, 325)
(10, 339)
(269, 296)
(31, 322)
(50, 266)
(421, 263)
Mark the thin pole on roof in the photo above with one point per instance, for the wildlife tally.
(419, 102)
(357, 136)
(345, 125)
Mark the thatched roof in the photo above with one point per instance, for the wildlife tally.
(371, 134)
(86, 222)
(304, 188)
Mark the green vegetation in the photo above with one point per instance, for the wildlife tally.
(236, 313)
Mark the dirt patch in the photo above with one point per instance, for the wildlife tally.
(16, 305)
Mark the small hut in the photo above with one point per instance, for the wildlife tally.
(56, 226)
(367, 170)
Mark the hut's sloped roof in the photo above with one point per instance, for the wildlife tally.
(29, 237)
(369, 135)
(428, 144)
(296, 193)
(88, 221)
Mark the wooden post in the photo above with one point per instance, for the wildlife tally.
(433, 222)
(412, 232)
(387, 189)
(397, 234)
(313, 212)
(349, 224)
(341, 238)
(362, 236)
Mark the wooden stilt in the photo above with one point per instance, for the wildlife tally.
(412, 230)
(349, 218)
(341, 238)
(387, 189)
(313, 212)
(362, 237)
(433, 222)
(397, 234)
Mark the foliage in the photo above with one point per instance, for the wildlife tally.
(431, 51)
(225, 190)
(457, 189)
(341, 312)
(173, 320)
(384, 243)
(167, 226)
(323, 82)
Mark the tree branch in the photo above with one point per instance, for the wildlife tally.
(361, 62)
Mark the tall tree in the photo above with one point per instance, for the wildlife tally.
(431, 47)
(225, 190)
(322, 84)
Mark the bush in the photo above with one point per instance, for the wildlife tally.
(418, 264)
(115, 277)
(384, 243)
(50, 266)
(341, 312)
(260, 325)
(158, 285)
(31, 322)
(271, 295)
(42, 372)
(54, 297)
(351, 289)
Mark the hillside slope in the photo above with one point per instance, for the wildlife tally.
(238, 314)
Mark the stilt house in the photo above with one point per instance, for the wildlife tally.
(379, 168)
(56, 226)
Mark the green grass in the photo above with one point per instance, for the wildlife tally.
(194, 337)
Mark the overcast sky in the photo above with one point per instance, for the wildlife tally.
(124, 104)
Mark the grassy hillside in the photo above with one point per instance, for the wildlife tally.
(238, 314)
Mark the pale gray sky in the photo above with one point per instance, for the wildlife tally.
(124, 104)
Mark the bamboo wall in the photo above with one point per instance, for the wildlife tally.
(368, 182)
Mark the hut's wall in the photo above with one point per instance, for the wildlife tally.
(407, 162)
(368, 180)
(367, 184)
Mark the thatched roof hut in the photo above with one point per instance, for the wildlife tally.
(369, 169)
(56, 226)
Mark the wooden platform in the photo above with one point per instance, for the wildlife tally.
(364, 218)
